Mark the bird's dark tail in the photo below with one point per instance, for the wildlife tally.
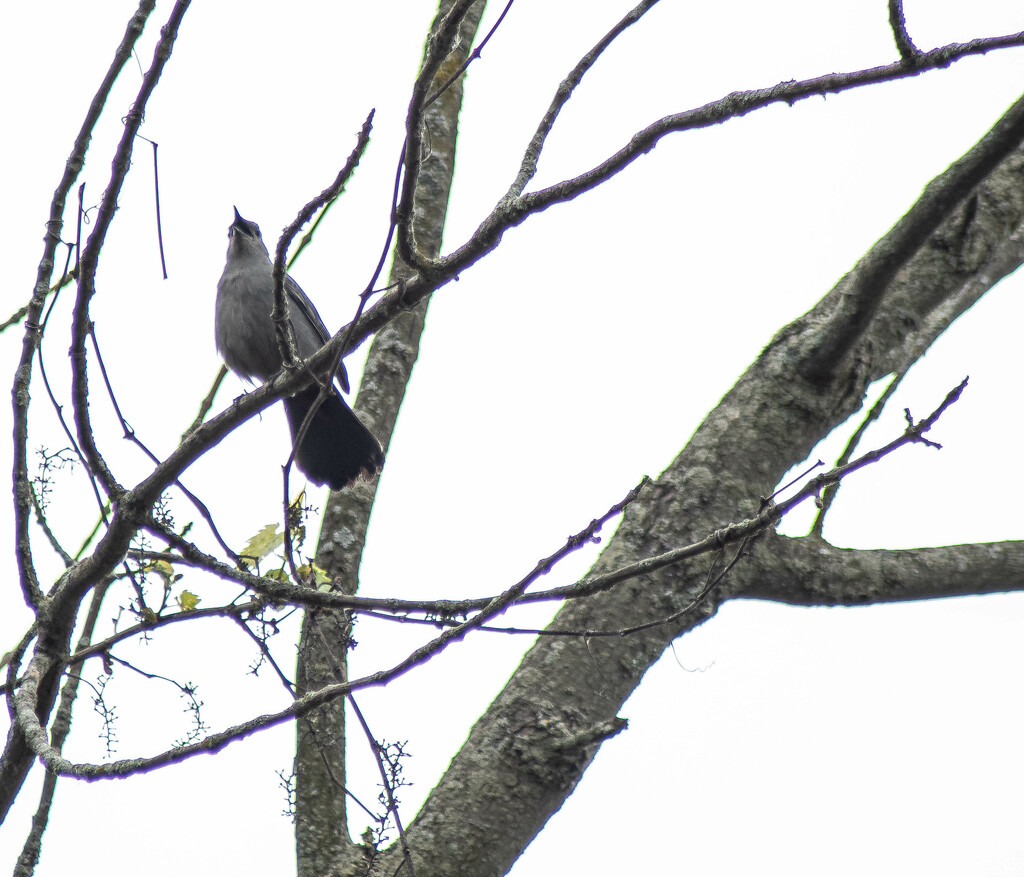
(337, 448)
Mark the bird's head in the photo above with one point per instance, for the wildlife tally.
(244, 238)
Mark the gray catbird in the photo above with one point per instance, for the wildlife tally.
(336, 448)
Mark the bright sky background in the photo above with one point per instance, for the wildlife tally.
(575, 359)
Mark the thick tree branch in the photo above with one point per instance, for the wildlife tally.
(865, 287)
(322, 837)
(979, 244)
(514, 770)
(528, 752)
(808, 571)
(59, 731)
(445, 35)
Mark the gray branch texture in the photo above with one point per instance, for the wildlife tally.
(530, 748)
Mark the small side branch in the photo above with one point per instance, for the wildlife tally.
(897, 21)
(280, 314)
(528, 168)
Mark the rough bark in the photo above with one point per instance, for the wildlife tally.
(810, 572)
(527, 752)
(321, 825)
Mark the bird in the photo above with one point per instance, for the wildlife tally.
(337, 448)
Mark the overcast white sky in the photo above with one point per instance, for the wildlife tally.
(578, 357)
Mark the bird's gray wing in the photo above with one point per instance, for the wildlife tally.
(310, 332)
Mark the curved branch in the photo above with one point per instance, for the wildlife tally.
(741, 103)
(44, 663)
(81, 321)
(512, 211)
(441, 44)
(23, 374)
(17, 757)
(898, 22)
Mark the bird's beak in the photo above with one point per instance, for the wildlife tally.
(238, 217)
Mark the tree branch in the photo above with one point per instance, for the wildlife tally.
(807, 571)
(898, 22)
(770, 419)
(867, 285)
(81, 321)
(17, 757)
(322, 826)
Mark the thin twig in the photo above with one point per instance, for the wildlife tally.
(207, 403)
(282, 316)
(81, 320)
(379, 756)
(528, 169)
(474, 55)
(828, 495)
(129, 433)
(23, 374)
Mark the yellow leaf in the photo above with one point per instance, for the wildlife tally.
(319, 576)
(268, 539)
(187, 601)
(162, 567)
